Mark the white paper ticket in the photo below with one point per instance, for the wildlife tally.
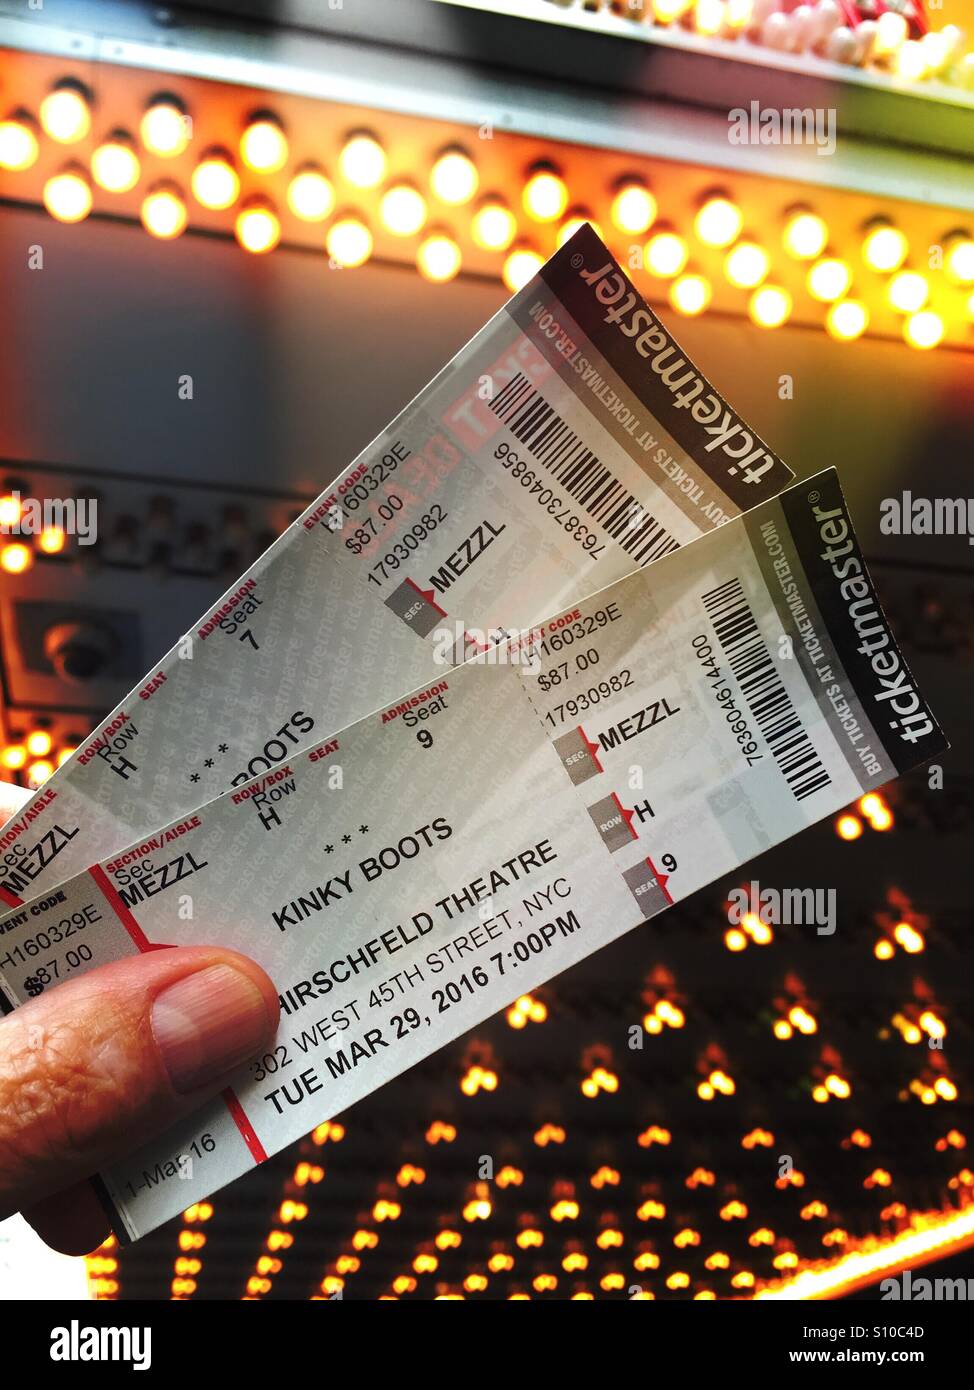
(411, 874)
(569, 443)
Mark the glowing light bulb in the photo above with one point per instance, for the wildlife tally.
(39, 772)
(770, 306)
(571, 224)
(263, 145)
(438, 257)
(959, 261)
(907, 291)
(848, 827)
(708, 16)
(16, 557)
(891, 31)
(633, 208)
(545, 195)
(884, 247)
(39, 743)
(215, 182)
(115, 165)
(718, 222)
(666, 11)
(13, 757)
(847, 319)
(746, 265)
(65, 113)
(349, 242)
(454, 178)
(494, 226)
(257, 227)
(402, 210)
(666, 254)
(520, 266)
(911, 61)
(362, 161)
(829, 280)
(310, 195)
(690, 294)
(67, 196)
(924, 330)
(805, 235)
(18, 145)
(734, 940)
(165, 128)
(164, 212)
(52, 540)
(64, 755)
(11, 510)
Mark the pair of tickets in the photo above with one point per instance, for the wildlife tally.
(602, 718)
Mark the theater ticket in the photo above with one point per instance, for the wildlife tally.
(405, 877)
(569, 443)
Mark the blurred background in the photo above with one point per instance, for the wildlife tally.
(233, 244)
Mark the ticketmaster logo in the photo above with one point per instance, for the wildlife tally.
(77, 1343)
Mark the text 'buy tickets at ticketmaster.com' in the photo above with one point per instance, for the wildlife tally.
(409, 875)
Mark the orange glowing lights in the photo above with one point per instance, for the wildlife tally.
(16, 558)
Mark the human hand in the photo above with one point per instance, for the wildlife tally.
(92, 1068)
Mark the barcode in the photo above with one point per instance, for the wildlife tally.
(767, 699)
(580, 472)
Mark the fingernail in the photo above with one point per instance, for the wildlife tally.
(207, 1024)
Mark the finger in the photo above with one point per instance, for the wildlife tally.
(92, 1069)
(71, 1221)
(11, 799)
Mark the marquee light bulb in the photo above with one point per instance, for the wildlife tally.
(770, 306)
(115, 165)
(16, 558)
(690, 294)
(39, 772)
(924, 330)
(67, 196)
(829, 279)
(494, 226)
(39, 743)
(666, 254)
(215, 182)
(718, 222)
(65, 113)
(805, 235)
(11, 510)
(310, 195)
(847, 319)
(263, 145)
(884, 247)
(519, 267)
(18, 145)
(362, 161)
(959, 261)
(52, 540)
(165, 128)
(907, 291)
(634, 208)
(13, 757)
(454, 178)
(349, 242)
(402, 210)
(257, 227)
(164, 213)
(545, 194)
(746, 265)
(438, 257)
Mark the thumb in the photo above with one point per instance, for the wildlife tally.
(92, 1069)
